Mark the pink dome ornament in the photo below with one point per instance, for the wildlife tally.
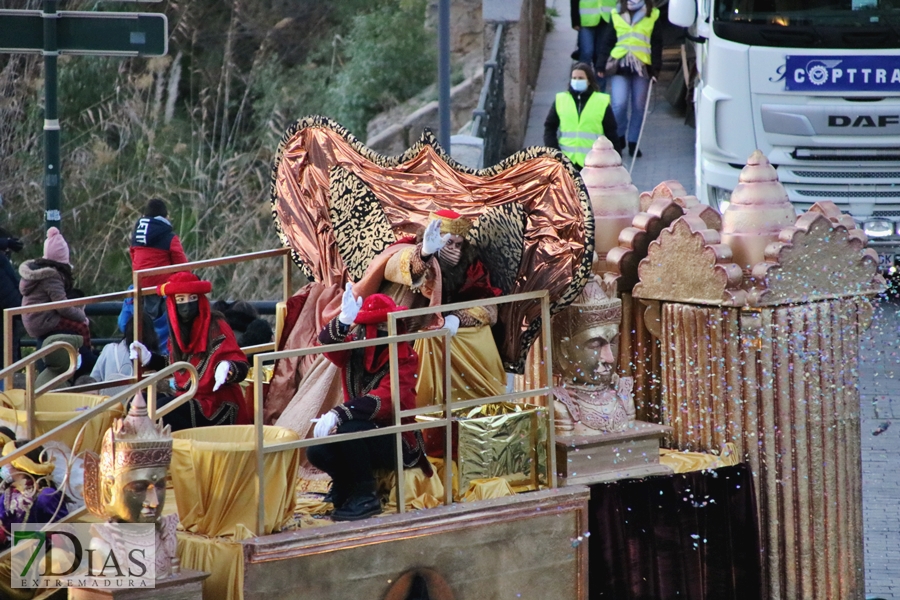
(759, 210)
(614, 199)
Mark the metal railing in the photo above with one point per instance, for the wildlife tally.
(135, 294)
(120, 398)
(10, 313)
(138, 292)
(489, 117)
(447, 406)
(28, 363)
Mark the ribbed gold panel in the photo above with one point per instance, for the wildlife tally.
(782, 384)
(639, 357)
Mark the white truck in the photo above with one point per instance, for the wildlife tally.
(815, 85)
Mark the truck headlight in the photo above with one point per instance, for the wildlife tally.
(878, 228)
(720, 198)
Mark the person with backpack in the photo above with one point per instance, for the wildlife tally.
(632, 49)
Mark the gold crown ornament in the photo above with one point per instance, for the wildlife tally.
(135, 442)
(452, 222)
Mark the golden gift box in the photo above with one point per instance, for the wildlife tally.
(501, 439)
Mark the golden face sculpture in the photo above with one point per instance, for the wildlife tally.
(590, 355)
(137, 496)
(586, 342)
(127, 482)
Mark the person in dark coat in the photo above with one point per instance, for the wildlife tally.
(50, 279)
(10, 297)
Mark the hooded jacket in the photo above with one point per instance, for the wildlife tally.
(154, 244)
(42, 282)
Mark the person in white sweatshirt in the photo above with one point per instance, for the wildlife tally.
(114, 362)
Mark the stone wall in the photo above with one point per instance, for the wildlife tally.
(400, 136)
(525, 27)
(466, 25)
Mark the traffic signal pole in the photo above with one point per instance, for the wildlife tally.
(52, 175)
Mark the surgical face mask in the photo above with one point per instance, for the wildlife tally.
(187, 311)
(579, 85)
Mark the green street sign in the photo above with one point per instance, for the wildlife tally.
(87, 33)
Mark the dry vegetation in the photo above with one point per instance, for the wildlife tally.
(200, 126)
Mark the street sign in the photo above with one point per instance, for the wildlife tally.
(87, 33)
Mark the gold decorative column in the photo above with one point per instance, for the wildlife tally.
(759, 327)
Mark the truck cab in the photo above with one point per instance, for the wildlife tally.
(816, 87)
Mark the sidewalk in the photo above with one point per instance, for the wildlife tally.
(667, 143)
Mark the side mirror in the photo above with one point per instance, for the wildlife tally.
(682, 13)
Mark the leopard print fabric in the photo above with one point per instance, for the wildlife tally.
(360, 226)
(499, 235)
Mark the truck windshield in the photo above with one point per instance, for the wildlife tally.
(809, 23)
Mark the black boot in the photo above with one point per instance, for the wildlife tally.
(336, 496)
(631, 147)
(358, 506)
(621, 147)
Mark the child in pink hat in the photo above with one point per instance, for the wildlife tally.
(49, 279)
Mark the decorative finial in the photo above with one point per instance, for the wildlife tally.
(758, 211)
(614, 198)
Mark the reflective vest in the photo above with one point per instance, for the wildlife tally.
(634, 39)
(591, 11)
(578, 133)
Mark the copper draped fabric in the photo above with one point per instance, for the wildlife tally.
(556, 219)
(692, 535)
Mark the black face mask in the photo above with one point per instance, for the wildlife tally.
(188, 311)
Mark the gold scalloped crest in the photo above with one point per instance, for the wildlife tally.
(688, 263)
(816, 259)
(622, 261)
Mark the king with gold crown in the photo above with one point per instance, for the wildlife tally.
(127, 484)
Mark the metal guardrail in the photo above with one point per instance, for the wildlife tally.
(447, 406)
(28, 363)
(489, 117)
(138, 292)
(105, 299)
(120, 398)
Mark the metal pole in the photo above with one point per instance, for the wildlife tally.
(52, 177)
(444, 73)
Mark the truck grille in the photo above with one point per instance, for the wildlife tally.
(847, 194)
(847, 174)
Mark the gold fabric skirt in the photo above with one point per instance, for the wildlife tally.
(475, 365)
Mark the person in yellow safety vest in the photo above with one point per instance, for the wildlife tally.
(632, 52)
(579, 116)
(591, 18)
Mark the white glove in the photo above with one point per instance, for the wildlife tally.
(78, 362)
(451, 322)
(138, 349)
(221, 374)
(327, 423)
(350, 306)
(432, 240)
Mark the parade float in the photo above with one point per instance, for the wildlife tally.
(681, 417)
